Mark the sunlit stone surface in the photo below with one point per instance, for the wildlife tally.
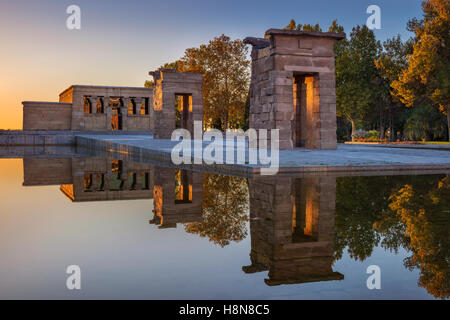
(293, 87)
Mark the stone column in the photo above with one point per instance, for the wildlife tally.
(108, 111)
(196, 101)
(124, 113)
(105, 100)
(93, 100)
(326, 90)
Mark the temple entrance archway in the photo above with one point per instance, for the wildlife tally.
(183, 110)
(177, 102)
(116, 113)
(116, 119)
(293, 87)
(305, 116)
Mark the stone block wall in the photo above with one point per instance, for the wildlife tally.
(282, 66)
(70, 113)
(169, 84)
(102, 120)
(46, 115)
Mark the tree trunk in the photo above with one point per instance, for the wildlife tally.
(391, 125)
(382, 129)
(353, 130)
(448, 121)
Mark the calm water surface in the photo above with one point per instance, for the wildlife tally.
(143, 232)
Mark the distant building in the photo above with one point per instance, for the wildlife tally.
(178, 103)
(92, 108)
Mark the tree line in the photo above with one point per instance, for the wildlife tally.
(396, 90)
(389, 91)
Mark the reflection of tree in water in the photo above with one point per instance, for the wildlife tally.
(224, 210)
(404, 211)
(426, 217)
(359, 202)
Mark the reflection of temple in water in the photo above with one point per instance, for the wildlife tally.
(96, 179)
(177, 194)
(291, 220)
(292, 229)
(91, 179)
(177, 197)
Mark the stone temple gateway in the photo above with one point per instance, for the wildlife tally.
(183, 89)
(293, 87)
(175, 102)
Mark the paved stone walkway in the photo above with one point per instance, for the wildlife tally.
(345, 158)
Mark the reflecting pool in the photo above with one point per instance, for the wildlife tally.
(140, 231)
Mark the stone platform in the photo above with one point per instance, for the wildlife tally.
(54, 137)
(346, 159)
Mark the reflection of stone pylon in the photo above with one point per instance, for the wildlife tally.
(169, 87)
(177, 197)
(292, 229)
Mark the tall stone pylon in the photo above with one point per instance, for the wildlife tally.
(293, 87)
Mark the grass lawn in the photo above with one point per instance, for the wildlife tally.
(399, 142)
(434, 142)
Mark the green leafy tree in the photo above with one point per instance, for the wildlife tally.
(360, 202)
(409, 212)
(425, 123)
(390, 64)
(355, 74)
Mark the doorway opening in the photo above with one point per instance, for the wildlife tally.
(183, 186)
(303, 92)
(116, 115)
(183, 109)
(305, 215)
(116, 181)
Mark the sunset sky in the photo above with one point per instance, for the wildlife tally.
(120, 41)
